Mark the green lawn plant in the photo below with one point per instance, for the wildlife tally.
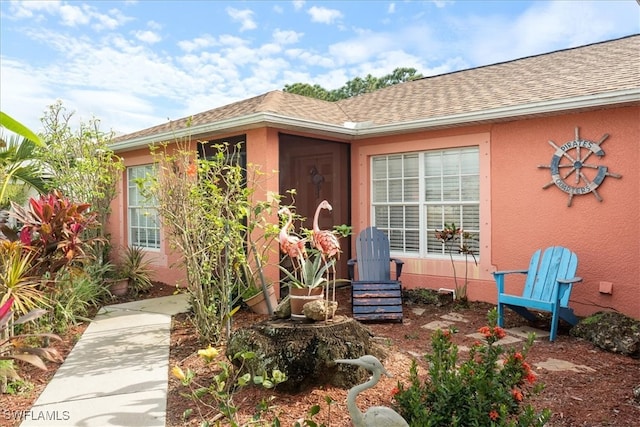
(75, 294)
(487, 389)
(216, 398)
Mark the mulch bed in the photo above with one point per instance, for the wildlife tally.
(599, 396)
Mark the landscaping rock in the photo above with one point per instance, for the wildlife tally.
(611, 331)
(319, 310)
(283, 310)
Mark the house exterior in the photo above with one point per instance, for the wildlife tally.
(525, 154)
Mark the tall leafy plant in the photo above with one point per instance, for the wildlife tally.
(53, 228)
(18, 165)
(456, 240)
(211, 220)
(16, 280)
(81, 162)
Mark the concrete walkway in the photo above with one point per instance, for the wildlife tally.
(117, 373)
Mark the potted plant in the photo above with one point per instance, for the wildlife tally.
(117, 283)
(307, 282)
(136, 270)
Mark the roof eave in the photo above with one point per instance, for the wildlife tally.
(249, 121)
(610, 99)
(348, 131)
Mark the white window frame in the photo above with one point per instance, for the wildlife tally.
(411, 232)
(148, 223)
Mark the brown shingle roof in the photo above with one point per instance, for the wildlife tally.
(589, 70)
(583, 71)
(277, 102)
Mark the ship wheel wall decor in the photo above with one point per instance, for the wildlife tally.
(570, 171)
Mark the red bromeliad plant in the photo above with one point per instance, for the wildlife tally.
(488, 389)
(53, 227)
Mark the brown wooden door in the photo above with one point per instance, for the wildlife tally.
(318, 170)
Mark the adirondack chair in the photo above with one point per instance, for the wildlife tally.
(547, 287)
(374, 295)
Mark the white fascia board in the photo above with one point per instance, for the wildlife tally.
(351, 132)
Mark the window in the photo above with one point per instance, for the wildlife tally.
(144, 228)
(414, 194)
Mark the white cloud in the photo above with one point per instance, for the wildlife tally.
(149, 72)
(198, 43)
(543, 27)
(298, 4)
(442, 3)
(310, 59)
(147, 36)
(106, 22)
(361, 48)
(245, 17)
(72, 15)
(231, 41)
(25, 92)
(154, 25)
(324, 15)
(286, 37)
(30, 9)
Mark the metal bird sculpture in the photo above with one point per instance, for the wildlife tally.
(376, 416)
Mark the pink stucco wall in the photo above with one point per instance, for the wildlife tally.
(605, 235)
(518, 216)
(263, 152)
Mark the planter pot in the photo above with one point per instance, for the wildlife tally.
(118, 287)
(299, 297)
(258, 304)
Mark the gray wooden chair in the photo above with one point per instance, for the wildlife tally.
(375, 296)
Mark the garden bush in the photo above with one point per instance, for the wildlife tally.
(488, 389)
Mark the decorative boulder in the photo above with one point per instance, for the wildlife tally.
(611, 331)
(319, 310)
(305, 351)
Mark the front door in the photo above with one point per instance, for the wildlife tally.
(318, 170)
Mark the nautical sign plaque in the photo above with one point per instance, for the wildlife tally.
(571, 172)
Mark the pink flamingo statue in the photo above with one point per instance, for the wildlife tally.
(326, 242)
(290, 245)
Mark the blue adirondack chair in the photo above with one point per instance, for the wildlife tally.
(547, 287)
(375, 296)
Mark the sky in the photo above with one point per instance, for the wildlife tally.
(136, 64)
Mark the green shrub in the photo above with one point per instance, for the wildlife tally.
(488, 389)
(76, 291)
